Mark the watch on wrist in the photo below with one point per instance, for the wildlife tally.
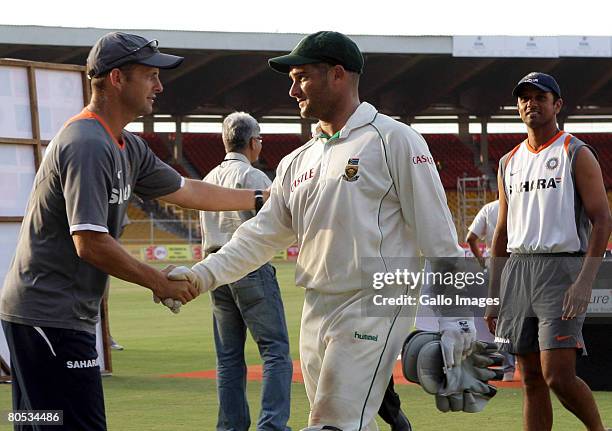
(259, 200)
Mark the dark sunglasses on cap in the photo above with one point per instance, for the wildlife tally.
(152, 44)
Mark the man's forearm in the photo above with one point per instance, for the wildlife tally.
(598, 242)
(499, 256)
(106, 254)
(204, 196)
(476, 251)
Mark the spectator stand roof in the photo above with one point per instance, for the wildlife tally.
(405, 76)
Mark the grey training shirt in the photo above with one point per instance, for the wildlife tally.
(84, 183)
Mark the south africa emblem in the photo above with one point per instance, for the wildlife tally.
(351, 169)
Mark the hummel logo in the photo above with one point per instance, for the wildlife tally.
(365, 336)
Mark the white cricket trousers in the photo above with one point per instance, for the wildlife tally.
(347, 358)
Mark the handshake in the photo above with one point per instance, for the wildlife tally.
(183, 284)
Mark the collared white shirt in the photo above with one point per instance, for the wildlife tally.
(234, 172)
(370, 191)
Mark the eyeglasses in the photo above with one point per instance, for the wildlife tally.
(153, 44)
(259, 138)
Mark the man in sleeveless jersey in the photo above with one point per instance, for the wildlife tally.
(365, 186)
(553, 211)
(68, 245)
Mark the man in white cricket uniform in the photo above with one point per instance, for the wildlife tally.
(365, 186)
(553, 211)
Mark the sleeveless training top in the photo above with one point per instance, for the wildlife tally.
(545, 212)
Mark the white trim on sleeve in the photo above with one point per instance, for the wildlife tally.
(182, 182)
(88, 226)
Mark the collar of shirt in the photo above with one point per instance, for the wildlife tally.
(364, 114)
(236, 156)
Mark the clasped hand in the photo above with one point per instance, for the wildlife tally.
(180, 287)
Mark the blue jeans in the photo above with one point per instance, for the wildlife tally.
(253, 302)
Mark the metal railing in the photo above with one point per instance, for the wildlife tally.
(154, 231)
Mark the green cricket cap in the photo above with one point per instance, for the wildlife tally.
(321, 47)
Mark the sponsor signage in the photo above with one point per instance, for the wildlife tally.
(585, 46)
(532, 46)
(601, 302)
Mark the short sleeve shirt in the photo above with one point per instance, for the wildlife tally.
(234, 172)
(84, 183)
(484, 223)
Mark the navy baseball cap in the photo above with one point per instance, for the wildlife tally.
(538, 79)
(321, 47)
(117, 49)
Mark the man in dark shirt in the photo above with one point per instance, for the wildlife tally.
(67, 245)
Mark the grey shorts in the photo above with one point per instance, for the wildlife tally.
(532, 291)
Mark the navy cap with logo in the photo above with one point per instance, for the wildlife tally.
(321, 47)
(117, 49)
(540, 80)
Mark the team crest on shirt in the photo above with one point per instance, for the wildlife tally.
(552, 163)
(351, 169)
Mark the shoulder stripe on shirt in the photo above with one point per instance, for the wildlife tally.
(566, 143)
(511, 153)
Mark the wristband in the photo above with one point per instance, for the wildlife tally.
(259, 200)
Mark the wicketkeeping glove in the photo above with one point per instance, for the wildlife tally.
(423, 363)
(472, 386)
(458, 334)
(201, 279)
(173, 304)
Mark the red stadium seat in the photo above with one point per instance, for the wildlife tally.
(455, 159)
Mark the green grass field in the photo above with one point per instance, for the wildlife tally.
(158, 343)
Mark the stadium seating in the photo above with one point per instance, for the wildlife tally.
(500, 144)
(203, 150)
(275, 147)
(454, 159)
(180, 169)
(602, 142)
(157, 144)
(142, 231)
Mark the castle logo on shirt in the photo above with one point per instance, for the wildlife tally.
(351, 169)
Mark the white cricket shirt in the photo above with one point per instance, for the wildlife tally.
(370, 191)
